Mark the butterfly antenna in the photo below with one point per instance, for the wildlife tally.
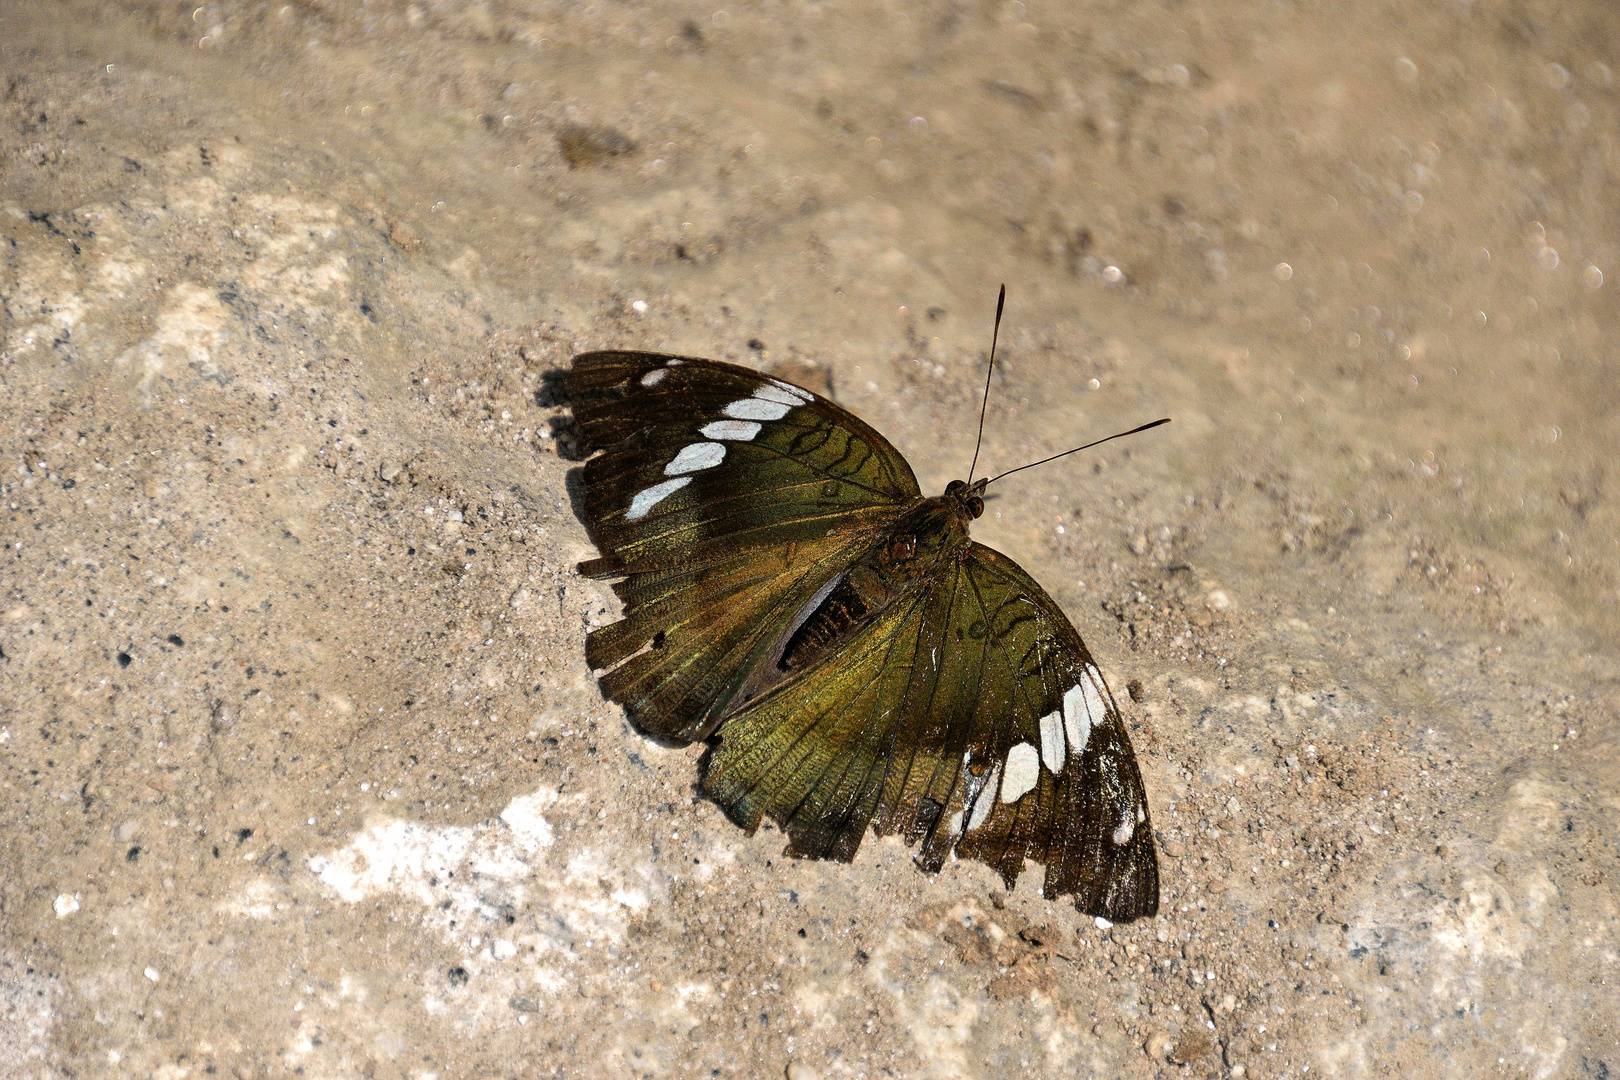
(1076, 450)
(984, 402)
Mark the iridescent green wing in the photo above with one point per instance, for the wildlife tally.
(725, 500)
(968, 716)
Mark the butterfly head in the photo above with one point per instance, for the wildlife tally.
(969, 496)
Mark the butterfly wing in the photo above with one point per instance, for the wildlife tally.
(968, 716)
(726, 500)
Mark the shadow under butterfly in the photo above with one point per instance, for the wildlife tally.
(851, 657)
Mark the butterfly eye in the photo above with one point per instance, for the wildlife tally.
(976, 506)
(955, 487)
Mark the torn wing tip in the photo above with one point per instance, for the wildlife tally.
(609, 566)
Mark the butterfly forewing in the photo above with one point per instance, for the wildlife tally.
(725, 500)
(703, 458)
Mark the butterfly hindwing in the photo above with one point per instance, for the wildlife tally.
(724, 499)
(968, 716)
(814, 753)
(1071, 795)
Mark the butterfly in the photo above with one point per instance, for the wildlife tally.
(852, 659)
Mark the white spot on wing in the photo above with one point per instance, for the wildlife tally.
(1091, 683)
(799, 392)
(986, 799)
(1076, 721)
(736, 430)
(1122, 835)
(756, 409)
(646, 500)
(786, 395)
(1052, 740)
(695, 458)
(653, 377)
(1023, 769)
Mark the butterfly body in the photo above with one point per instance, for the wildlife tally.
(906, 557)
(852, 658)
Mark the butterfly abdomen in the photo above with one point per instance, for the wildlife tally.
(843, 610)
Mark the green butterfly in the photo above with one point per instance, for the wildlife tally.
(852, 658)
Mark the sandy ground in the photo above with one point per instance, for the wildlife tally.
(303, 772)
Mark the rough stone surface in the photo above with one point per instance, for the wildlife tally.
(301, 769)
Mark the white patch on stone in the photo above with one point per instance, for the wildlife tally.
(1102, 923)
(646, 500)
(65, 905)
(403, 856)
(530, 830)
(756, 409)
(696, 458)
(255, 900)
(467, 882)
(1023, 770)
(782, 395)
(190, 332)
(735, 430)
(986, 799)
(1052, 740)
(653, 377)
(1127, 827)
(1076, 721)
